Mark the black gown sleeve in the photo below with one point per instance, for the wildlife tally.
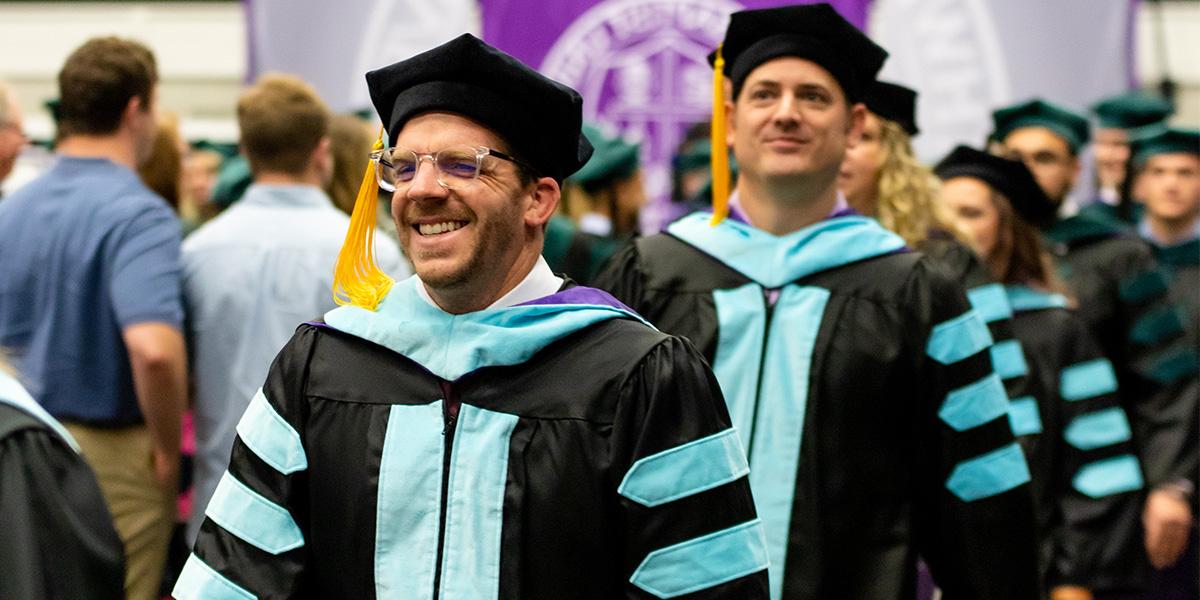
(57, 539)
(257, 547)
(1098, 544)
(974, 509)
(684, 498)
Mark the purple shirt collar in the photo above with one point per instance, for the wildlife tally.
(579, 294)
(840, 209)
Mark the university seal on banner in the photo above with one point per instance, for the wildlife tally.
(641, 66)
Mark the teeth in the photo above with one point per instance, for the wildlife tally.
(443, 227)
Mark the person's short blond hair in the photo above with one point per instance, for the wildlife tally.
(282, 120)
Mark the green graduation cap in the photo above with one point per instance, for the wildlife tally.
(1131, 110)
(613, 159)
(232, 181)
(225, 149)
(1038, 113)
(1170, 141)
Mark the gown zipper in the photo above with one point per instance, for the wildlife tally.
(769, 307)
(450, 407)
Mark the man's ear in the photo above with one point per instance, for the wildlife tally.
(855, 124)
(545, 197)
(321, 160)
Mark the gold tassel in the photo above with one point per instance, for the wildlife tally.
(720, 150)
(357, 278)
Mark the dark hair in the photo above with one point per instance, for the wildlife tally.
(1019, 257)
(98, 80)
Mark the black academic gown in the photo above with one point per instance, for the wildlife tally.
(1175, 441)
(858, 376)
(1087, 480)
(561, 449)
(1124, 298)
(57, 540)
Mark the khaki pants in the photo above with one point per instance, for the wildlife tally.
(142, 511)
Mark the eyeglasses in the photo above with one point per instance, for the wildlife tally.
(456, 166)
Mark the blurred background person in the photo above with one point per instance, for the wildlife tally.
(96, 326)
(882, 178)
(163, 170)
(601, 201)
(1077, 438)
(1119, 121)
(12, 131)
(604, 197)
(1111, 273)
(57, 540)
(1168, 168)
(264, 266)
(201, 165)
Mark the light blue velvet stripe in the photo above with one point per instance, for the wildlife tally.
(252, 518)
(703, 562)
(451, 346)
(1098, 429)
(408, 504)
(270, 437)
(741, 323)
(15, 394)
(475, 504)
(973, 405)
(686, 469)
(990, 302)
(1024, 417)
(1023, 298)
(1008, 359)
(989, 474)
(1110, 476)
(1087, 380)
(775, 261)
(779, 428)
(958, 338)
(198, 581)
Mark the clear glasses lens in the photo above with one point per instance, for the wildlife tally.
(455, 166)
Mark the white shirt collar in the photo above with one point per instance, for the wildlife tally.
(540, 282)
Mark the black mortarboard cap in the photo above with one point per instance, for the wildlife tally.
(1008, 177)
(895, 103)
(540, 118)
(1071, 127)
(813, 32)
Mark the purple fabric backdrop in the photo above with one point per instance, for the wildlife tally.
(639, 64)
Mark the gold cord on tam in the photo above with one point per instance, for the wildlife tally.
(720, 150)
(357, 278)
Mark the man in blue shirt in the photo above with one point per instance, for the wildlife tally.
(263, 267)
(90, 305)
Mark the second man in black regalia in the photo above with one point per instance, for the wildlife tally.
(856, 372)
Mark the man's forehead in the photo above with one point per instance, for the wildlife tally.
(441, 128)
(1174, 160)
(791, 70)
(1035, 138)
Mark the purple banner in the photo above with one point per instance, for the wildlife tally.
(639, 64)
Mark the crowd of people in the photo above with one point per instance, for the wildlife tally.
(315, 366)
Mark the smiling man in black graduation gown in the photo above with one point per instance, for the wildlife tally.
(483, 429)
(856, 372)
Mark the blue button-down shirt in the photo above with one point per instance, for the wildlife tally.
(251, 276)
(86, 251)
